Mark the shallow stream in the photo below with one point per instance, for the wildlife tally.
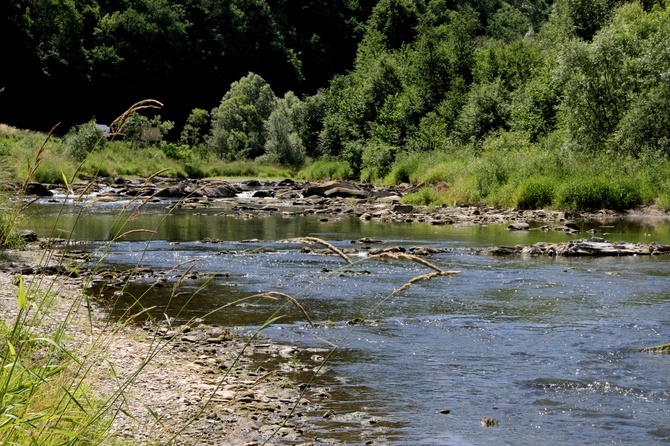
(545, 346)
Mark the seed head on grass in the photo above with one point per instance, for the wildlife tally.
(311, 240)
(413, 258)
(119, 123)
(293, 300)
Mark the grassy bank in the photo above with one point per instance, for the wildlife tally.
(507, 170)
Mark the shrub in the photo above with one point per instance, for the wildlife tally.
(423, 197)
(51, 169)
(596, 193)
(83, 139)
(376, 160)
(402, 169)
(327, 169)
(534, 193)
(177, 152)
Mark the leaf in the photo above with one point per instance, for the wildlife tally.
(12, 351)
(22, 299)
(65, 182)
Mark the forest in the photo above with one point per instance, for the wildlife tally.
(489, 101)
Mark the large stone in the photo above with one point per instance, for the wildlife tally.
(38, 189)
(223, 190)
(519, 226)
(334, 189)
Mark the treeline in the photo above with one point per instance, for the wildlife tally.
(66, 60)
(437, 75)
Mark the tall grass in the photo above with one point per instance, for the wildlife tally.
(327, 170)
(509, 171)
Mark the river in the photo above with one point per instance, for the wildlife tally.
(545, 346)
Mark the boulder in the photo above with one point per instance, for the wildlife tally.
(223, 190)
(179, 191)
(334, 189)
(519, 227)
(402, 208)
(38, 189)
(27, 235)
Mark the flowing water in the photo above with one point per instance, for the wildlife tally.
(545, 346)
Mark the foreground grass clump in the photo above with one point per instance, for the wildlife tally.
(44, 395)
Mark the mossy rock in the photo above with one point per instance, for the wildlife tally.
(663, 348)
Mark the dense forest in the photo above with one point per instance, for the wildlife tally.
(373, 86)
(65, 60)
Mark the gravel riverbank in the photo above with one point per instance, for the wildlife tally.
(190, 385)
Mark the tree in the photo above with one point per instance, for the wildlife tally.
(238, 123)
(194, 130)
(612, 81)
(283, 142)
(83, 139)
(396, 21)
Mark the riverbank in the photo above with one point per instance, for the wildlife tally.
(328, 199)
(186, 385)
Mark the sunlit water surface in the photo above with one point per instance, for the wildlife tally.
(545, 346)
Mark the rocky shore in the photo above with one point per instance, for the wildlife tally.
(187, 385)
(250, 198)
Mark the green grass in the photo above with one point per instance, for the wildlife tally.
(327, 170)
(509, 171)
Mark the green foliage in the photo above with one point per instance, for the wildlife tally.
(508, 24)
(122, 159)
(178, 152)
(535, 193)
(83, 139)
(612, 82)
(591, 194)
(588, 16)
(485, 111)
(195, 129)
(376, 160)
(50, 170)
(327, 169)
(283, 141)
(238, 123)
(423, 197)
(396, 21)
(242, 169)
(142, 131)
(402, 169)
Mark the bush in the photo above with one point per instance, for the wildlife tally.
(83, 139)
(423, 197)
(377, 160)
(596, 193)
(327, 169)
(534, 193)
(402, 170)
(177, 152)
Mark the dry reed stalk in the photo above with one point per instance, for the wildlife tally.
(403, 256)
(38, 158)
(293, 300)
(116, 127)
(310, 240)
(132, 231)
(424, 277)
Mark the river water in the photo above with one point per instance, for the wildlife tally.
(545, 346)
